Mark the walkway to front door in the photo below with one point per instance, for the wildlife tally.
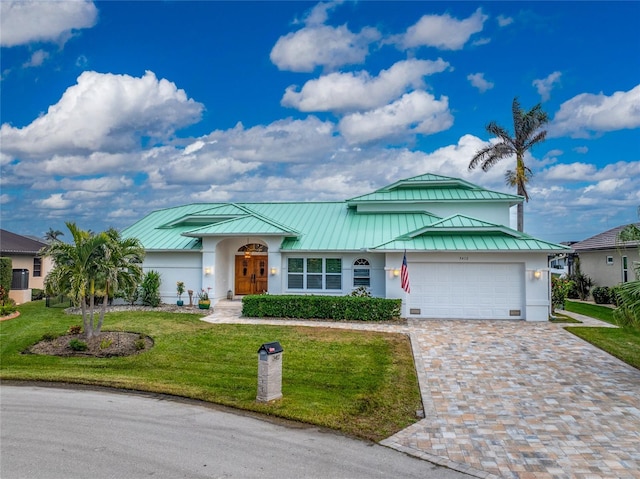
(251, 274)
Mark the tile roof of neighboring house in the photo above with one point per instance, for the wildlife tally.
(11, 243)
(340, 226)
(605, 240)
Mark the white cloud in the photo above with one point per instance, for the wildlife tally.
(322, 45)
(104, 112)
(581, 149)
(415, 112)
(588, 113)
(37, 58)
(359, 90)
(4, 199)
(23, 22)
(570, 172)
(55, 201)
(545, 85)
(478, 81)
(503, 21)
(443, 31)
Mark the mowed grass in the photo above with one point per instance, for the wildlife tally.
(623, 343)
(602, 313)
(361, 383)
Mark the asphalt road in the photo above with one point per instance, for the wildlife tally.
(54, 433)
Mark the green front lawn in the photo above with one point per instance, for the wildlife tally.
(623, 343)
(361, 383)
(602, 313)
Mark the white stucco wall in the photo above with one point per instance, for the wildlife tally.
(174, 267)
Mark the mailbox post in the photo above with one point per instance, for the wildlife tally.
(269, 372)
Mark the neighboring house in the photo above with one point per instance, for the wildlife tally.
(606, 260)
(462, 261)
(26, 263)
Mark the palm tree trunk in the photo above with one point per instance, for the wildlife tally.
(520, 214)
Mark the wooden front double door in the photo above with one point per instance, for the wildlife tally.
(251, 274)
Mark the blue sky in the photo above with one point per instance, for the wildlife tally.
(110, 110)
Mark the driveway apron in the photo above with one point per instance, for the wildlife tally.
(514, 399)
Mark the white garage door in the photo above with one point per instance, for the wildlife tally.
(466, 291)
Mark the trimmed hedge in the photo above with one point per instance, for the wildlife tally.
(602, 295)
(321, 307)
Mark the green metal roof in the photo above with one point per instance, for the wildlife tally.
(462, 233)
(242, 225)
(335, 226)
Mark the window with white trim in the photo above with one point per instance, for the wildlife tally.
(625, 269)
(361, 273)
(609, 259)
(314, 273)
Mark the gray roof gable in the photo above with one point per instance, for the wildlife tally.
(18, 244)
(605, 240)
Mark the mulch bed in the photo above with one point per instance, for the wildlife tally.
(108, 344)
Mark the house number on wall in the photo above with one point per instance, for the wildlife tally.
(464, 258)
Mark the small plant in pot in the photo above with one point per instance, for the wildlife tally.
(203, 299)
(180, 290)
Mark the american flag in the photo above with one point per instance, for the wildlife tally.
(404, 275)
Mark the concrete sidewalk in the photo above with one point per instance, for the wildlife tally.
(512, 399)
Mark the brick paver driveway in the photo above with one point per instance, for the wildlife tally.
(525, 400)
(514, 399)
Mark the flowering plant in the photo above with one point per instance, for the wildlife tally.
(204, 295)
(180, 289)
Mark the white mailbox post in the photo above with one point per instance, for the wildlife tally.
(269, 372)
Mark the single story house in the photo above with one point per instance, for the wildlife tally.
(462, 261)
(29, 268)
(605, 259)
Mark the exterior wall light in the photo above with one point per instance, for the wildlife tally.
(537, 274)
(274, 271)
(207, 271)
(396, 273)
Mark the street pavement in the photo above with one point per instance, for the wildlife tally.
(53, 433)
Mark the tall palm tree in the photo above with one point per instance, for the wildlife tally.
(93, 262)
(52, 235)
(527, 133)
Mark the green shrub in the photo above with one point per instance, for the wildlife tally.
(560, 288)
(321, 307)
(140, 344)
(78, 345)
(37, 294)
(6, 276)
(8, 306)
(150, 289)
(601, 295)
(105, 343)
(361, 292)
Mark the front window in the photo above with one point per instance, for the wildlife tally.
(314, 273)
(361, 273)
(37, 267)
(625, 270)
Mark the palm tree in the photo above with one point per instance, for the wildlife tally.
(526, 125)
(52, 235)
(121, 269)
(628, 294)
(94, 261)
